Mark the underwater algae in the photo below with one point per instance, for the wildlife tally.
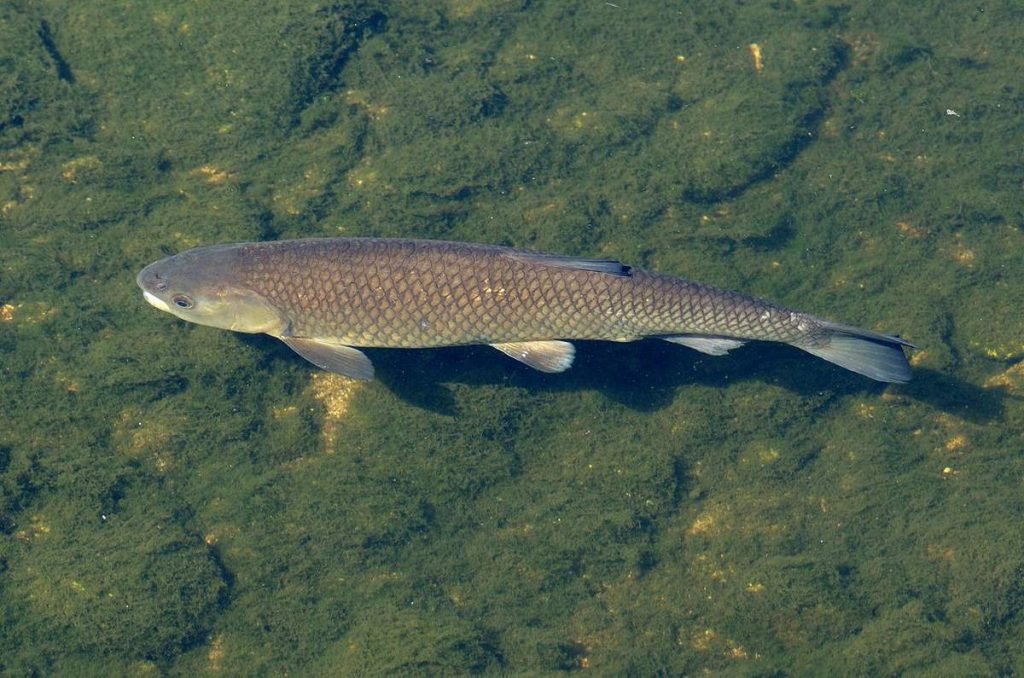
(652, 511)
(154, 588)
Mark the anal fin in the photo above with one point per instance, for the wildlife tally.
(709, 345)
(547, 356)
(332, 357)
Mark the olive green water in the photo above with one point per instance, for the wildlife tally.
(176, 499)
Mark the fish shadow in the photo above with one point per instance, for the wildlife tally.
(646, 375)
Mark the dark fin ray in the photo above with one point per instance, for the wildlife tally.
(546, 356)
(709, 345)
(608, 266)
(877, 356)
(338, 358)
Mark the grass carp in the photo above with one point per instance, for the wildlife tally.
(324, 297)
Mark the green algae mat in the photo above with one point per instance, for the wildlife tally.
(180, 500)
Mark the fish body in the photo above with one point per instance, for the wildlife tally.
(325, 297)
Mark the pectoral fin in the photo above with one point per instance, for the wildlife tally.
(546, 356)
(709, 345)
(339, 358)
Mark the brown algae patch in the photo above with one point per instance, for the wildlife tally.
(334, 392)
(214, 176)
(215, 655)
(85, 167)
(27, 314)
(294, 198)
(138, 434)
(1012, 379)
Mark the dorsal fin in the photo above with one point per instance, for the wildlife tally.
(609, 266)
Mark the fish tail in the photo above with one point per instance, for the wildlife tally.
(878, 356)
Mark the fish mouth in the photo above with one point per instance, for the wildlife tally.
(156, 301)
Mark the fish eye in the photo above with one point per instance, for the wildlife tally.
(181, 301)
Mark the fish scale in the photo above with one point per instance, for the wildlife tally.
(324, 296)
(405, 294)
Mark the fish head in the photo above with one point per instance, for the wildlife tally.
(200, 286)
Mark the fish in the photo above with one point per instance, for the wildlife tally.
(326, 298)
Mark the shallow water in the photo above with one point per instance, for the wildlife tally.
(180, 499)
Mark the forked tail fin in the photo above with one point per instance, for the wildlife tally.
(878, 356)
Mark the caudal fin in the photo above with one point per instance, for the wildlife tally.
(878, 356)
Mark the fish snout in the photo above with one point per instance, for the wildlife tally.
(152, 284)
